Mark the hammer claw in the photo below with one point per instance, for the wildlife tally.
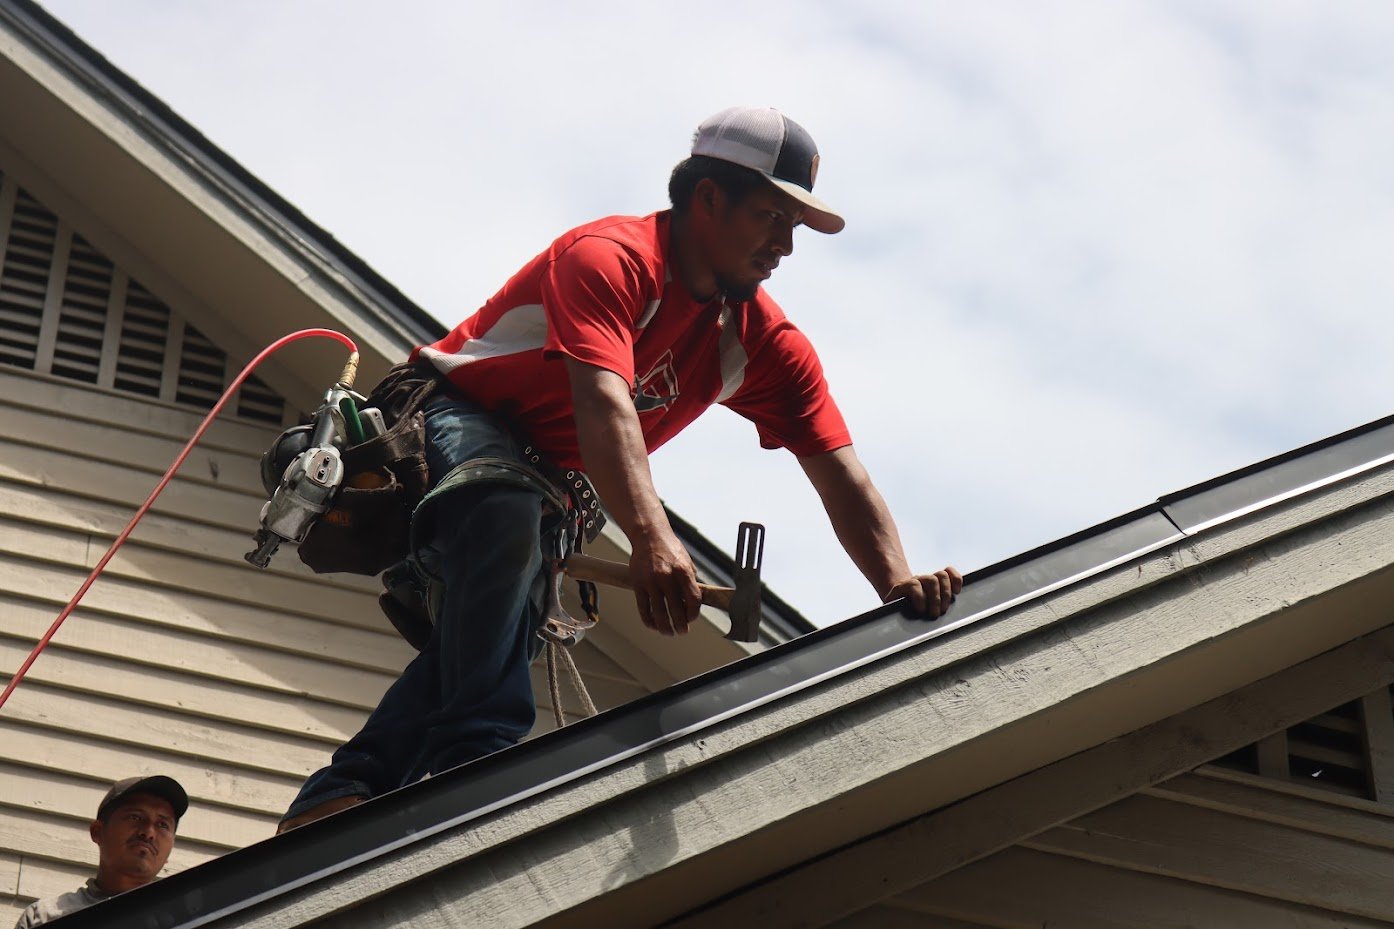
(743, 602)
(746, 602)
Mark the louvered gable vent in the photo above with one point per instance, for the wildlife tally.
(77, 350)
(24, 273)
(68, 311)
(1347, 750)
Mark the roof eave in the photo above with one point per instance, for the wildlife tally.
(734, 772)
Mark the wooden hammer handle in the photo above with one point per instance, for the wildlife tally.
(586, 568)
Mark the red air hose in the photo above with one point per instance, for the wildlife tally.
(189, 447)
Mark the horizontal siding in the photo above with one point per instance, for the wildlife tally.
(1207, 849)
(146, 419)
(1024, 888)
(888, 917)
(152, 686)
(40, 878)
(139, 730)
(216, 827)
(1229, 850)
(50, 752)
(181, 659)
(1307, 809)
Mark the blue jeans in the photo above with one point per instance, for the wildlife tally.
(468, 692)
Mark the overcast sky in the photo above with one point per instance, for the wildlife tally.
(1095, 251)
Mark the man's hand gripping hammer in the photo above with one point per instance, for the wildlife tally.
(742, 602)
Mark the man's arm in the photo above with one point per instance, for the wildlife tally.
(617, 463)
(866, 530)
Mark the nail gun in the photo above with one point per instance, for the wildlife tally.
(304, 468)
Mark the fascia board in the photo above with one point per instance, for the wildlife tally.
(729, 719)
(714, 811)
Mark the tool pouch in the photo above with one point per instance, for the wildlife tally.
(368, 527)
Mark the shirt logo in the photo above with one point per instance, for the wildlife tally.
(659, 388)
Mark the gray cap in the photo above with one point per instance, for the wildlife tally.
(158, 784)
(765, 140)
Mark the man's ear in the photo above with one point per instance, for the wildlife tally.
(707, 196)
(95, 830)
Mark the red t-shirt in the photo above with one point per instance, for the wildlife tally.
(601, 294)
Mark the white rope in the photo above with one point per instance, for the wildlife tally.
(554, 652)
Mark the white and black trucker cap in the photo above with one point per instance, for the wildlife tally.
(763, 139)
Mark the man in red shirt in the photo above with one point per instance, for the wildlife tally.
(597, 352)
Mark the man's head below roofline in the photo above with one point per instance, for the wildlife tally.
(134, 830)
(737, 198)
(134, 834)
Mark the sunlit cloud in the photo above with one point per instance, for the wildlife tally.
(1096, 251)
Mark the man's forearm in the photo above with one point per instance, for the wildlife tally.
(864, 526)
(860, 518)
(617, 462)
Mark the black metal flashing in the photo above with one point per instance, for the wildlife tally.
(264, 871)
(1282, 476)
(105, 81)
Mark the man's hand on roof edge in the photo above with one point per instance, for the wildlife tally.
(928, 594)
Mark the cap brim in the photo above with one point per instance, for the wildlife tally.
(817, 216)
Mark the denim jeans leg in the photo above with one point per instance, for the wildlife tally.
(468, 693)
(491, 553)
(373, 761)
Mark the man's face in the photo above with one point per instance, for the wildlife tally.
(135, 841)
(747, 239)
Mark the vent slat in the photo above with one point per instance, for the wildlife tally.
(126, 334)
(1331, 751)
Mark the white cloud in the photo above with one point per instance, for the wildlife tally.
(1096, 250)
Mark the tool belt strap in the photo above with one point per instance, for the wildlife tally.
(505, 471)
(578, 487)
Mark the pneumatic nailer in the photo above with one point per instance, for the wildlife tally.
(303, 469)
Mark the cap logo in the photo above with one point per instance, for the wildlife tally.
(813, 171)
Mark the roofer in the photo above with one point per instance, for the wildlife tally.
(134, 831)
(598, 351)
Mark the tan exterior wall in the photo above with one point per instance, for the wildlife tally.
(182, 659)
(1213, 848)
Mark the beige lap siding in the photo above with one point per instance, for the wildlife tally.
(1210, 848)
(182, 659)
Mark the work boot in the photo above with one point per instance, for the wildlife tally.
(327, 808)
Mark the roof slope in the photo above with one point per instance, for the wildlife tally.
(662, 805)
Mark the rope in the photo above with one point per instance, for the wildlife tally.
(559, 653)
(580, 685)
(169, 475)
(554, 684)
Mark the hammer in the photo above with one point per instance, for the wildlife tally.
(742, 602)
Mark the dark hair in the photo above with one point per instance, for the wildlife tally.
(735, 181)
